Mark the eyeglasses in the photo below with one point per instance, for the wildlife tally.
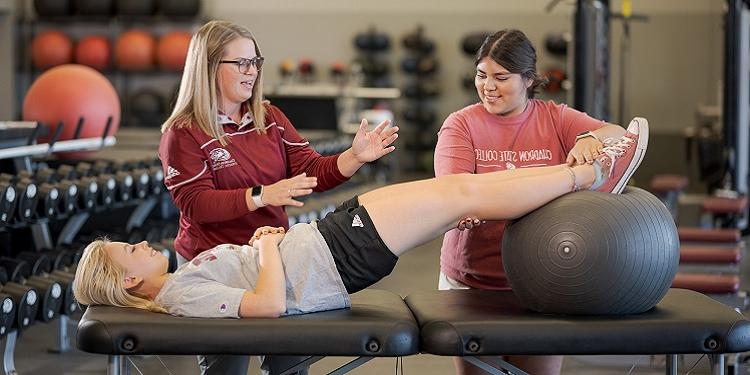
(243, 65)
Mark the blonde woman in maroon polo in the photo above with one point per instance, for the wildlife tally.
(232, 161)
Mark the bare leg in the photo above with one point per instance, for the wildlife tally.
(407, 215)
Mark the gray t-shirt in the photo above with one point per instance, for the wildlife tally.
(212, 284)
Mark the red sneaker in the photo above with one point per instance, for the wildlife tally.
(619, 161)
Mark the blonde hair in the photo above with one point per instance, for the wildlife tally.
(198, 97)
(100, 281)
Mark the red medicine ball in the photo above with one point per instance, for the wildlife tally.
(51, 48)
(134, 50)
(94, 51)
(68, 92)
(172, 50)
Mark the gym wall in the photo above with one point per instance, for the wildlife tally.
(675, 58)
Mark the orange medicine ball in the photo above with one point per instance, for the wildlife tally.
(172, 50)
(94, 51)
(134, 50)
(67, 92)
(51, 48)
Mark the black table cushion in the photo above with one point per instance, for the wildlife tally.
(378, 324)
(481, 322)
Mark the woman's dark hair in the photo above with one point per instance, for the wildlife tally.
(514, 51)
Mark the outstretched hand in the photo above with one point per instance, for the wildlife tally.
(372, 145)
(283, 192)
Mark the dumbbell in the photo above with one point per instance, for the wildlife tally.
(49, 291)
(107, 187)
(416, 42)
(66, 172)
(124, 185)
(68, 196)
(373, 67)
(75, 251)
(157, 179)
(287, 68)
(25, 301)
(27, 199)
(41, 278)
(84, 169)
(49, 200)
(25, 194)
(8, 198)
(47, 175)
(39, 263)
(372, 41)
(69, 304)
(141, 180)
(306, 69)
(421, 65)
(88, 192)
(101, 167)
(337, 70)
(59, 259)
(7, 313)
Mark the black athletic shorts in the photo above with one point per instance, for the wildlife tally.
(361, 256)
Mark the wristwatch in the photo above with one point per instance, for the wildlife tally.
(584, 134)
(257, 193)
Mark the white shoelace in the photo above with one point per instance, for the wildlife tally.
(616, 150)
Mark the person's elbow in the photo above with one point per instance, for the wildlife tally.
(254, 306)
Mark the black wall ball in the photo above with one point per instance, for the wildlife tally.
(591, 253)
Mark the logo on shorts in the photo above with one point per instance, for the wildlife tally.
(223, 308)
(171, 172)
(357, 222)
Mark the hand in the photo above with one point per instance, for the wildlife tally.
(468, 223)
(267, 235)
(370, 146)
(283, 192)
(584, 151)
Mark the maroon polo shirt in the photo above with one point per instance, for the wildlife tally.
(207, 181)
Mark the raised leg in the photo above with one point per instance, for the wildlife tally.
(407, 215)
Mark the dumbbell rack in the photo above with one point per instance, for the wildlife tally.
(19, 146)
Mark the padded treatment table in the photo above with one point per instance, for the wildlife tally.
(379, 324)
(472, 323)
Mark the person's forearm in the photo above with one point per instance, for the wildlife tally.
(347, 163)
(271, 286)
(609, 131)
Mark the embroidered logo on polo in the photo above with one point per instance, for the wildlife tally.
(171, 173)
(221, 158)
(357, 222)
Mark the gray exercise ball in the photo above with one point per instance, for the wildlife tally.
(590, 253)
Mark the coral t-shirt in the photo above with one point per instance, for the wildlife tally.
(473, 140)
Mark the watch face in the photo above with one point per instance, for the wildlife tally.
(256, 191)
